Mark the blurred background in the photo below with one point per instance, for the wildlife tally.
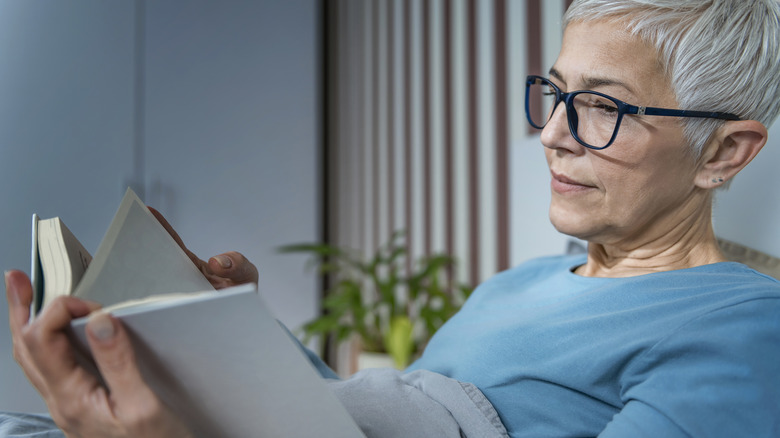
(254, 124)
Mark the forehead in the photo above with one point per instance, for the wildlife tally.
(604, 52)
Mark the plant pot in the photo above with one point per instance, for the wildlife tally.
(367, 360)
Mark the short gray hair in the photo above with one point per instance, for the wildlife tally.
(720, 55)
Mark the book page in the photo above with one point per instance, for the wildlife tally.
(153, 301)
(63, 258)
(138, 258)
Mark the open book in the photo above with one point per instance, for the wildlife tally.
(219, 359)
(136, 258)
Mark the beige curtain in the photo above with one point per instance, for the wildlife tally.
(423, 99)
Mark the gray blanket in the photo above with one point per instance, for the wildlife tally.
(13, 424)
(384, 402)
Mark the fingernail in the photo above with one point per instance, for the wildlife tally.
(102, 326)
(224, 261)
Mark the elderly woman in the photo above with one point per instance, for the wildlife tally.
(650, 107)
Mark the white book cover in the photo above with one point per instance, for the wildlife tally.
(225, 365)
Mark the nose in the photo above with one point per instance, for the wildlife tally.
(556, 133)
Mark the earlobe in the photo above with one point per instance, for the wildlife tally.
(732, 147)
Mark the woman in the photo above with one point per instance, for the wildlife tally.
(652, 333)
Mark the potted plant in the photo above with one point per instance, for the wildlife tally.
(388, 307)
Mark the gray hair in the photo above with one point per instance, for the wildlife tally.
(720, 55)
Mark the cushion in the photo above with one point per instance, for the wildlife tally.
(757, 260)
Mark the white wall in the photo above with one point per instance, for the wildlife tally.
(228, 103)
(749, 212)
(532, 234)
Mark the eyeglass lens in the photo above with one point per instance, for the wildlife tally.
(592, 118)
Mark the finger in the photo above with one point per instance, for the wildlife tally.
(167, 226)
(58, 314)
(48, 346)
(19, 294)
(234, 267)
(164, 222)
(113, 353)
(132, 403)
(41, 347)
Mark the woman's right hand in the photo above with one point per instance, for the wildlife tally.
(79, 404)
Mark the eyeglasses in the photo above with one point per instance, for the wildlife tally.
(594, 118)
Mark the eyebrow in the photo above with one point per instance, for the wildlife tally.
(556, 74)
(591, 82)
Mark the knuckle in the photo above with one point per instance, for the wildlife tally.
(30, 336)
(143, 414)
(115, 362)
(66, 415)
(57, 303)
(68, 412)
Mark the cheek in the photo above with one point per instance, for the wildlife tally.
(645, 156)
(656, 183)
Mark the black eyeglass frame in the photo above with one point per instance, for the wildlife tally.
(622, 107)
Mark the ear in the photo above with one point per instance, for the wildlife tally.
(731, 148)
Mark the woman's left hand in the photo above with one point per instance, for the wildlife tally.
(79, 404)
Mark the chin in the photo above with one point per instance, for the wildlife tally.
(571, 224)
(568, 227)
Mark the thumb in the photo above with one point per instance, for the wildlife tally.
(234, 268)
(114, 356)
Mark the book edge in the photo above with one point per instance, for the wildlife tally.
(36, 271)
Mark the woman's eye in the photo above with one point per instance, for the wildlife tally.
(609, 108)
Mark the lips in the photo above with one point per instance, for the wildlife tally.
(563, 184)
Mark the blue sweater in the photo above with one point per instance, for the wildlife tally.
(692, 352)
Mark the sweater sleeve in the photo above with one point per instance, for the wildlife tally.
(322, 368)
(715, 376)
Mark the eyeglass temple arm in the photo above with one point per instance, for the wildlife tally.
(651, 111)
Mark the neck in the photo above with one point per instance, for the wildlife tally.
(689, 243)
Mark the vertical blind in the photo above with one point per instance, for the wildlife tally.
(423, 100)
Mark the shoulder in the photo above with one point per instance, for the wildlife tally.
(726, 307)
(726, 284)
(716, 372)
(732, 272)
